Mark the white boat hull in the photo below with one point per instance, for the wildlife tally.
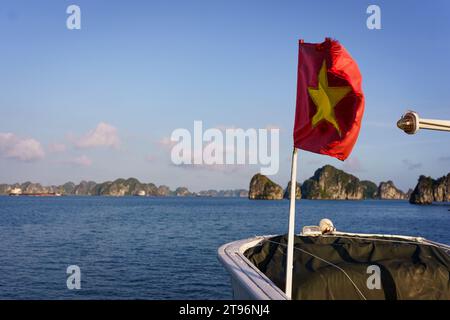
(247, 281)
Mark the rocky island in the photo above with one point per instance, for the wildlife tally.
(429, 190)
(327, 183)
(388, 191)
(117, 188)
(298, 191)
(331, 183)
(240, 193)
(262, 188)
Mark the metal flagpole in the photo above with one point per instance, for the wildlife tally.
(291, 229)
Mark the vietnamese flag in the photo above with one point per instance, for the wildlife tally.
(330, 101)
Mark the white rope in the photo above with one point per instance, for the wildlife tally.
(328, 262)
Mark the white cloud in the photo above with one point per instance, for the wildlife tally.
(81, 161)
(14, 147)
(353, 164)
(104, 135)
(165, 142)
(56, 147)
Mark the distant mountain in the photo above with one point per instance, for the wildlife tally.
(327, 182)
(239, 193)
(262, 188)
(298, 191)
(163, 191)
(30, 187)
(85, 188)
(429, 190)
(331, 183)
(369, 189)
(388, 191)
(122, 187)
(183, 192)
(68, 188)
(118, 187)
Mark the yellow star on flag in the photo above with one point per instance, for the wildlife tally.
(326, 98)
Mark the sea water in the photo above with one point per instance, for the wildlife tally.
(165, 248)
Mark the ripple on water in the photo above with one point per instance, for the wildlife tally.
(164, 248)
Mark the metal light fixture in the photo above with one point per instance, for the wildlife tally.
(411, 123)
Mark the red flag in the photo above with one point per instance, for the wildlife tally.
(330, 101)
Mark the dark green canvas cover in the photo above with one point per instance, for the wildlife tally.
(407, 270)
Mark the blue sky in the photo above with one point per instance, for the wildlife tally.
(137, 70)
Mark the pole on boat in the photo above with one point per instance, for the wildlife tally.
(291, 228)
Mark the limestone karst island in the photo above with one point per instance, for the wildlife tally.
(327, 183)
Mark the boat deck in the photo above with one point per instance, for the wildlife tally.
(340, 266)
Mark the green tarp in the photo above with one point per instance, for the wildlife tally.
(338, 267)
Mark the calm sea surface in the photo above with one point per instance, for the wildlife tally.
(164, 248)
